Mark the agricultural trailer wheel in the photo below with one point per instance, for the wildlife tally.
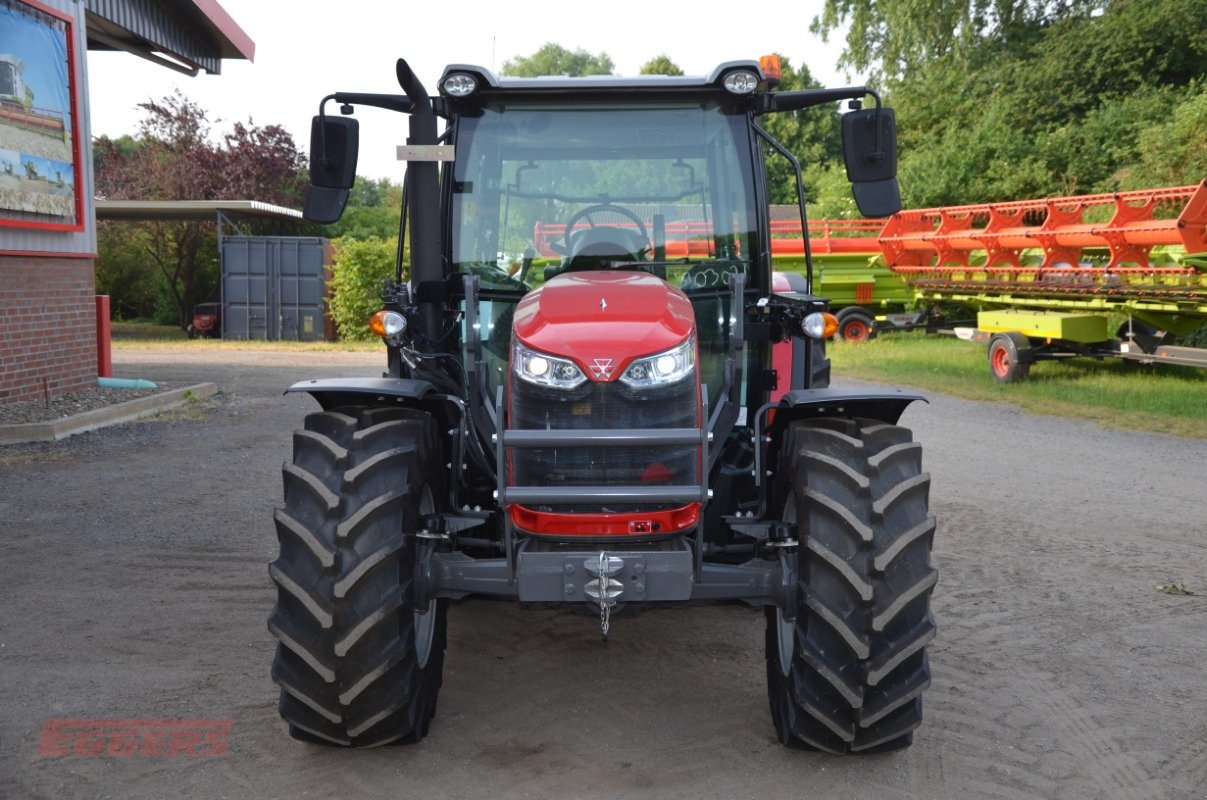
(359, 659)
(847, 674)
(855, 325)
(1010, 357)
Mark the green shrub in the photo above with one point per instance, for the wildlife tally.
(359, 269)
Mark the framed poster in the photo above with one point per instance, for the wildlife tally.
(40, 182)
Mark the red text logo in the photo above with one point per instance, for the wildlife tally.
(122, 738)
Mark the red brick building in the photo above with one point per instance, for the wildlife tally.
(47, 214)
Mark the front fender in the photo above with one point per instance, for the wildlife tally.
(336, 392)
(886, 406)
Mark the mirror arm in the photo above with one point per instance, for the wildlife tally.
(808, 98)
(390, 102)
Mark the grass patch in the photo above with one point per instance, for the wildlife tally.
(146, 336)
(1115, 393)
(145, 331)
(219, 345)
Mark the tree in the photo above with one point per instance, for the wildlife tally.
(891, 38)
(1011, 99)
(661, 65)
(262, 164)
(174, 158)
(373, 211)
(553, 59)
(1175, 152)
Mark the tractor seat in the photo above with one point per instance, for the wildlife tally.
(590, 248)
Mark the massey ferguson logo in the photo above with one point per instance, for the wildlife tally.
(601, 368)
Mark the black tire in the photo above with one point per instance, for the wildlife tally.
(855, 325)
(847, 675)
(359, 662)
(191, 331)
(1009, 360)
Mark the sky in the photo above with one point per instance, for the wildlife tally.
(310, 48)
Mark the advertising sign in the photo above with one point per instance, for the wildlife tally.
(39, 140)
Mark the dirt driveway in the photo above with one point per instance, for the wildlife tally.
(134, 585)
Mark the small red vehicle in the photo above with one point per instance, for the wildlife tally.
(207, 321)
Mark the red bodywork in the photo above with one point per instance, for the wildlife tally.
(781, 352)
(602, 321)
(597, 317)
(206, 318)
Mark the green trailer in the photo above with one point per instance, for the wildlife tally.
(849, 270)
(1120, 275)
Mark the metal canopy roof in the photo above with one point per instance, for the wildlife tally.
(190, 209)
(184, 35)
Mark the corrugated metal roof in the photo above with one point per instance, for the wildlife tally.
(198, 33)
(190, 209)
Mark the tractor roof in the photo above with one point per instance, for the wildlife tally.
(601, 82)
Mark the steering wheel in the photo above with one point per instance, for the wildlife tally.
(571, 236)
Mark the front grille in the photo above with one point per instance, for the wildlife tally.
(604, 406)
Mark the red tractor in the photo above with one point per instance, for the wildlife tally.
(627, 421)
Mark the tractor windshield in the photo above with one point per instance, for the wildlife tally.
(542, 189)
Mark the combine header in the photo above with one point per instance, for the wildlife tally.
(1108, 275)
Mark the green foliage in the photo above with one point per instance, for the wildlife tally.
(893, 38)
(660, 65)
(1013, 99)
(359, 268)
(830, 192)
(1174, 152)
(374, 192)
(374, 208)
(365, 222)
(553, 59)
(122, 271)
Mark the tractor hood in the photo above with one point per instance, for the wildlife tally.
(604, 320)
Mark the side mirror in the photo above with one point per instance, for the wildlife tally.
(334, 143)
(871, 159)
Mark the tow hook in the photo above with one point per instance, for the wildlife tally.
(604, 589)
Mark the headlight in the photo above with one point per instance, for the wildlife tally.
(741, 81)
(460, 84)
(545, 370)
(662, 369)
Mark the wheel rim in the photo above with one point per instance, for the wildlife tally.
(425, 621)
(785, 636)
(855, 331)
(1001, 362)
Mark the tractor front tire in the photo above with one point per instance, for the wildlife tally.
(360, 656)
(846, 674)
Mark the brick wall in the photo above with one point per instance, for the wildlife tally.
(47, 326)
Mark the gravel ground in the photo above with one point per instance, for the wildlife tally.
(133, 574)
(70, 403)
